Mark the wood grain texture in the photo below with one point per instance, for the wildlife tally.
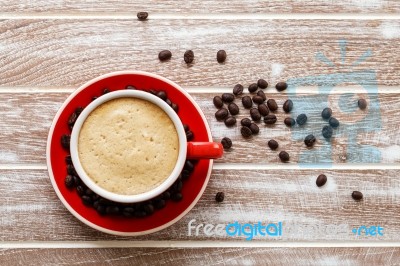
(57, 53)
(203, 256)
(203, 7)
(363, 137)
(308, 213)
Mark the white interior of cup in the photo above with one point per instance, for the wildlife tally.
(138, 197)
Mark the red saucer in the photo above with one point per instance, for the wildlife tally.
(193, 188)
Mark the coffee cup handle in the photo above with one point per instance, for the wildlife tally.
(204, 150)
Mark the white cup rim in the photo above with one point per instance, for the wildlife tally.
(148, 194)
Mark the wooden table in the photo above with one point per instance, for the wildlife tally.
(49, 48)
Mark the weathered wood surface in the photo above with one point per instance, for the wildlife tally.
(204, 7)
(203, 256)
(363, 136)
(321, 214)
(58, 53)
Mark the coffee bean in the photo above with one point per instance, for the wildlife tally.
(263, 109)
(159, 204)
(80, 190)
(176, 196)
(301, 119)
(221, 114)
(149, 209)
(72, 119)
(189, 135)
(68, 159)
(142, 16)
(228, 97)
(284, 156)
(164, 55)
(333, 122)
(218, 102)
(245, 122)
(321, 180)
(101, 210)
(185, 174)
(221, 56)
(271, 103)
(94, 98)
(154, 92)
(247, 102)
(357, 195)
(289, 121)
(327, 132)
(86, 200)
(219, 197)
(69, 181)
(188, 166)
(71, 170)
(230, 121)
(188, 56)
(175, 107)
(281, 86)
(186, 127)
(362, 104)
(65, 140)
(89, 192)
(112, 210)
(262, 84)
(130, 87)
(78, 110)
(128, 212)
(273, 144)
(226, 143)
(258, 99)
(168, 101)
(238, 89)
(255, 114)
(77, 180)
(106, 90)
(262, 95)
(162, 95)
(253, 87)
(139, 214)
(326, 113)
(233, 109)
(270, 119)
(246, 132)
(254, 128)
(288, 106)
(309, 140)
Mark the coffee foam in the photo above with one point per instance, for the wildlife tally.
(128, 146)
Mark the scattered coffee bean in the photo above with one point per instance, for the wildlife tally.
(162, 95)
(221, 56)
(175, 107)
(69, 181)
(87, 200)
(272, 105)
(321, 180)
(154, 92)
(65, 140)
(270, 119)
(159, 204)
(186, 127)
(281, 86)
(262, 83)
(284, 156)
(218, 102)
(258, 99)
(80, 190)
(253, 87)
(71, 170)
(326, 113)
(247, 102)
(255, 114)
(164, 55)
(233, 109)
(188, 56)
(254, 128)
(327, 132)
(189, 166)
(333, 122)
(362, 104)
(289, 121)
(72, 119)
(68, 159)
(357, 195)
(273, 144)
(221, 114)
(301, 119)
(77, 180)
(168, 101)
(78, 110)
(288, 106)
(139, 214)
(128, 212)
(219, 197)
(226, 143)
(246, 122)
(189, 135)
(309, 140)
(94, 98)
(176, 196)
(106, 90)
(262, 95)
(230, 121)
(149, 209)
(263, 109)
(142, 16)
(238, 89)
(112, 210)
(228, 97)
(130, 87)
(246, 132)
